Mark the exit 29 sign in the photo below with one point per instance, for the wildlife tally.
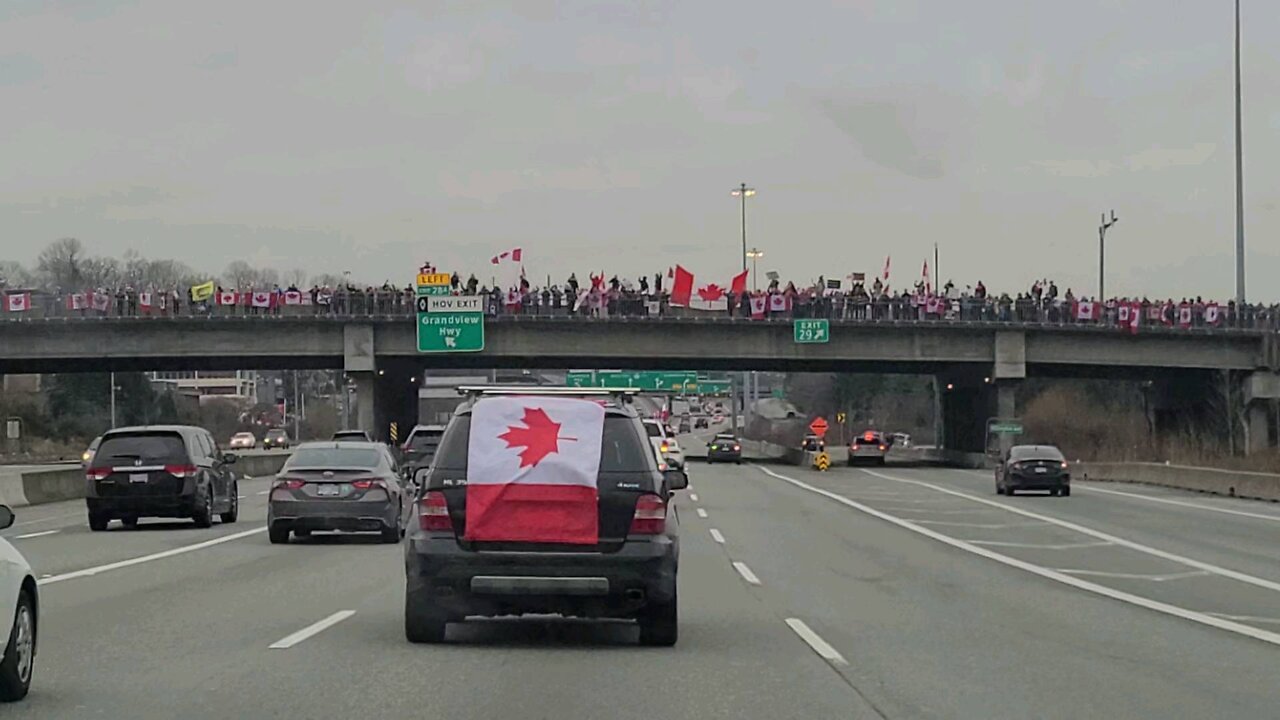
(812, 331)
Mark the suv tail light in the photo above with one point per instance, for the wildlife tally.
(181, 471)
(97, 473)
(433, 512)
(650, 517)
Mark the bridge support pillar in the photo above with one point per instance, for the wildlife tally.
(358, 360)
(1261, 396)
(365, 403)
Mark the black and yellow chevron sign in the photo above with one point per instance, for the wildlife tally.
(821, 461)
(395, 433)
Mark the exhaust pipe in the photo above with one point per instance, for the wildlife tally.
(635, 594)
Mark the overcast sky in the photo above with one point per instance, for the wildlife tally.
(370, 136)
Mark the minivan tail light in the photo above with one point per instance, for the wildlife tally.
(97, 473)
(650, 517)
(433, 512)
(181, 471)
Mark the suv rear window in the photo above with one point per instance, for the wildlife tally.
(427, 439)
(622, 448)
(167, 448)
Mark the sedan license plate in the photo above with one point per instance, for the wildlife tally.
(1042, 470)
(138, 477)
(328, 490)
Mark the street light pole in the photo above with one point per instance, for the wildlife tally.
(755, 254)
(744, 192)
(1239, 178)
(113, 399)
(1102, 253)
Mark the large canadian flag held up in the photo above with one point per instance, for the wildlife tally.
(531, 470)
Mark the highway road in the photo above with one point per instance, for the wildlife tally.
(895, 592)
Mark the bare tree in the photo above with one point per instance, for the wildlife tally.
(60, 262)
(99, 272)
(240, 274)
(328, 280)
(14, 274)
(296, 277)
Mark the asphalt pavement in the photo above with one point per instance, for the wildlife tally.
(895, 592)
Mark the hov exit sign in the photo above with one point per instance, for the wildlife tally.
(447, 323)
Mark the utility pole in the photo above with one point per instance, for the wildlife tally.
(1239, 179)
(113, 399)
(744, 192)
(1102, 253)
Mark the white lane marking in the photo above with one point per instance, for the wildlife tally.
(90, 572)
(263, 492)
(693, 497)
(240, 497)
(35, 534)
(51, 518)
(313, 629)
(715, 535)
(1180, 503)
(1114, 539)
(983, 526)
(1135, 576)
(815, 641)
(1245, 618)
(702, 513)
(937, 511)
(1038, 546)
(746, 573)
(1155, 605)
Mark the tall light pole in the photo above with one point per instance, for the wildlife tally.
(755, 254)
(1239, 178)
(744, 192)
(1102, 253)
(113, 399)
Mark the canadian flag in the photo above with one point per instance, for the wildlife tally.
(1085, 310)
(17, 302)
(261, 299)
(514, 255)
(681, 287)
(77, 301)
(1123, 319)
(514, 298)
(1184, 315)
(709, 297)
(101, 301)
(1212, 313)
(144, 301)
(531, 470)
(739, 283)
(227, 297)
(292, 297)
(779, 302)
(759, 304)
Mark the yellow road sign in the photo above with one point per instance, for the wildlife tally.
(395, 433)
(821, 461)
(433, 278)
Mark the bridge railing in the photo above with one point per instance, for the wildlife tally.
(380, 303)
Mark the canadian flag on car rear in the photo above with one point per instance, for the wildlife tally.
(531, 470)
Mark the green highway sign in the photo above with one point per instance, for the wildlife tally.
(812, 331)
(686, 382)
(448, 323)
(1007, 427)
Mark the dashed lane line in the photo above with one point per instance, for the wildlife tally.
(815, 641)
(702, 513)
(313, 629)
(746, 573)
(1232, 626)
(715, 535)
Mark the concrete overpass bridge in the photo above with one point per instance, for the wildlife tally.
(980, 362)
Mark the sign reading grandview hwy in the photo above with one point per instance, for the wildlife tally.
(448, 323)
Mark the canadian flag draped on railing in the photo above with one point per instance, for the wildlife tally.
(292, 297)
(77, 301)
(759, 306)
(1212, 314)
(531, 470)
(101, 301)
(145, 300)
(705, 297)
(17, 302)
(262, 298)
(1086, 310)
(227, 297)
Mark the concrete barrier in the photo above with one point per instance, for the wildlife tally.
(37, 486)
(1231, 483)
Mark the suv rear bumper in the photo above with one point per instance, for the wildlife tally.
(619, 584)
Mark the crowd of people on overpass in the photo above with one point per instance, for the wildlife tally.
(649, 296)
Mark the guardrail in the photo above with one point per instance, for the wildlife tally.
(842, 309)
(1230, 483)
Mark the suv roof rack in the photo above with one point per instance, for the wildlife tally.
(624, 394)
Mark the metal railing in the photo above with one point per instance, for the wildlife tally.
(840, 309)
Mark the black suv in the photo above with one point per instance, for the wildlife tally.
(160, 471)
(421, 446)
(630, 573)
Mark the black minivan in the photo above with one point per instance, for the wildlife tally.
(160, 471)
(630, 572)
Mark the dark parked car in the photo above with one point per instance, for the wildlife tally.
(630, 572)
(337, 486)
(421, 445)
(160, 471)
(1033, 467)
(724, 447)
(275, 438)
